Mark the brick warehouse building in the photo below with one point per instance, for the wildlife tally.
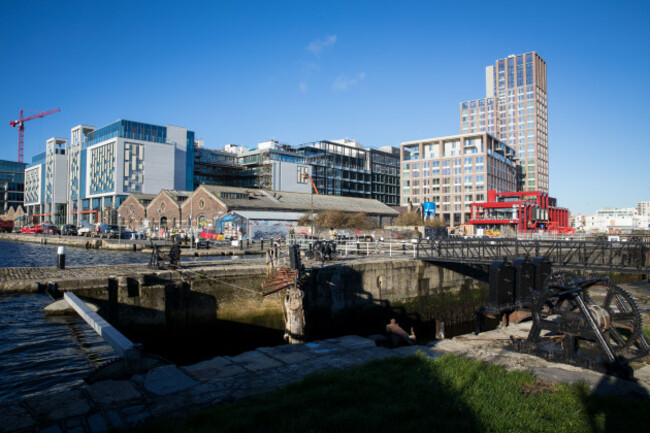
(134, 209)
(209, 203)
(165, 209)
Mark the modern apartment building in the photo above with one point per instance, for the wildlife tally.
(46, 183)
(130, 157)
(456, 171)
(87, 179)
(12, 185)
(515, 110)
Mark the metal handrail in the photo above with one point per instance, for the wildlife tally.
(568, 254)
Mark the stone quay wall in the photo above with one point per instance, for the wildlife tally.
(207, 292)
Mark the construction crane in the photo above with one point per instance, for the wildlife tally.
(21, 128)
(306, 176)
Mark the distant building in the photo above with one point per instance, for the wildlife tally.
(455, 171)
(88, 178)
(273, 166)
(46, 180)
(340, 167)
(210, 203)
(515, 110)
(520, 212)
(216, 167)
(12, 185)
(643, 208)
(133, 210)
(345, 168)
(616, 221)
(385, 174)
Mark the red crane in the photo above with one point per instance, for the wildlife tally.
(21, 128)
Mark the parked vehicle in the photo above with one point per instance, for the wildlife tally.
(211, 234)
(85, 229)
(51, 229)
(69, 230)
(37, 229)
(6, 226)
(109, 231)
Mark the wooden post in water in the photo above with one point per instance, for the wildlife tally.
(295, 323)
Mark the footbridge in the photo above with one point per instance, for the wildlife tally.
(600, 256)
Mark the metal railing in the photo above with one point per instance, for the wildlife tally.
(633, 257)
(358, 248)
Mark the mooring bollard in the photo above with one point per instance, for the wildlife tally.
(61, 257)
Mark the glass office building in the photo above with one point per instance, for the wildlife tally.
(12, 185)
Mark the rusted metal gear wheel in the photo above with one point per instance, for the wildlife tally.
(626, 324)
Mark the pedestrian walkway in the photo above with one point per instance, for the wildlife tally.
(175, 391)
(170, 390)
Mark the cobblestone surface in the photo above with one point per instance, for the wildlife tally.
(96, 408)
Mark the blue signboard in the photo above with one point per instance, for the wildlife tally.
(428, 209)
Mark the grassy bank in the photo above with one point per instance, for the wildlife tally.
(418, 394)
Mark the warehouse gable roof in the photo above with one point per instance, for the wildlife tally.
(256, 199)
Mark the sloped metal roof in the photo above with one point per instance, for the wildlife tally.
(257, 199)
(269, 215)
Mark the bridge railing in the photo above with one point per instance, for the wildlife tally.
(566, 254)
(355, 248)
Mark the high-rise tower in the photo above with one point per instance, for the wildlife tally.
(515, 111)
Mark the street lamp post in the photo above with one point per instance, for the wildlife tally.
(119, 225)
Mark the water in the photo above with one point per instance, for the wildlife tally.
(40, 354)
(19, 254)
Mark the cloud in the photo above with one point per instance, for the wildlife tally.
(343, 82)
(302, 86)
(315, 47)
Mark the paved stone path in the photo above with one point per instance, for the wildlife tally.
(175, 391)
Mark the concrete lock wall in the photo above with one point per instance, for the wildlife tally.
(234, 297)
(349, 286)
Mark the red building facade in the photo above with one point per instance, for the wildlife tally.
(522, 212)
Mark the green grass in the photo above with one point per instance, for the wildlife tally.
(646, 329)
(418, 394)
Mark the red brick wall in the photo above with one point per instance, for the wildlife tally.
(211, 208)
(164, 207)
(132, 218)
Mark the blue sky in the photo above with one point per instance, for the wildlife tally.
(380, 72)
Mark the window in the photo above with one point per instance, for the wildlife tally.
(303, 173)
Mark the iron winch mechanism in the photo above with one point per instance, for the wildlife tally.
(589, 322)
